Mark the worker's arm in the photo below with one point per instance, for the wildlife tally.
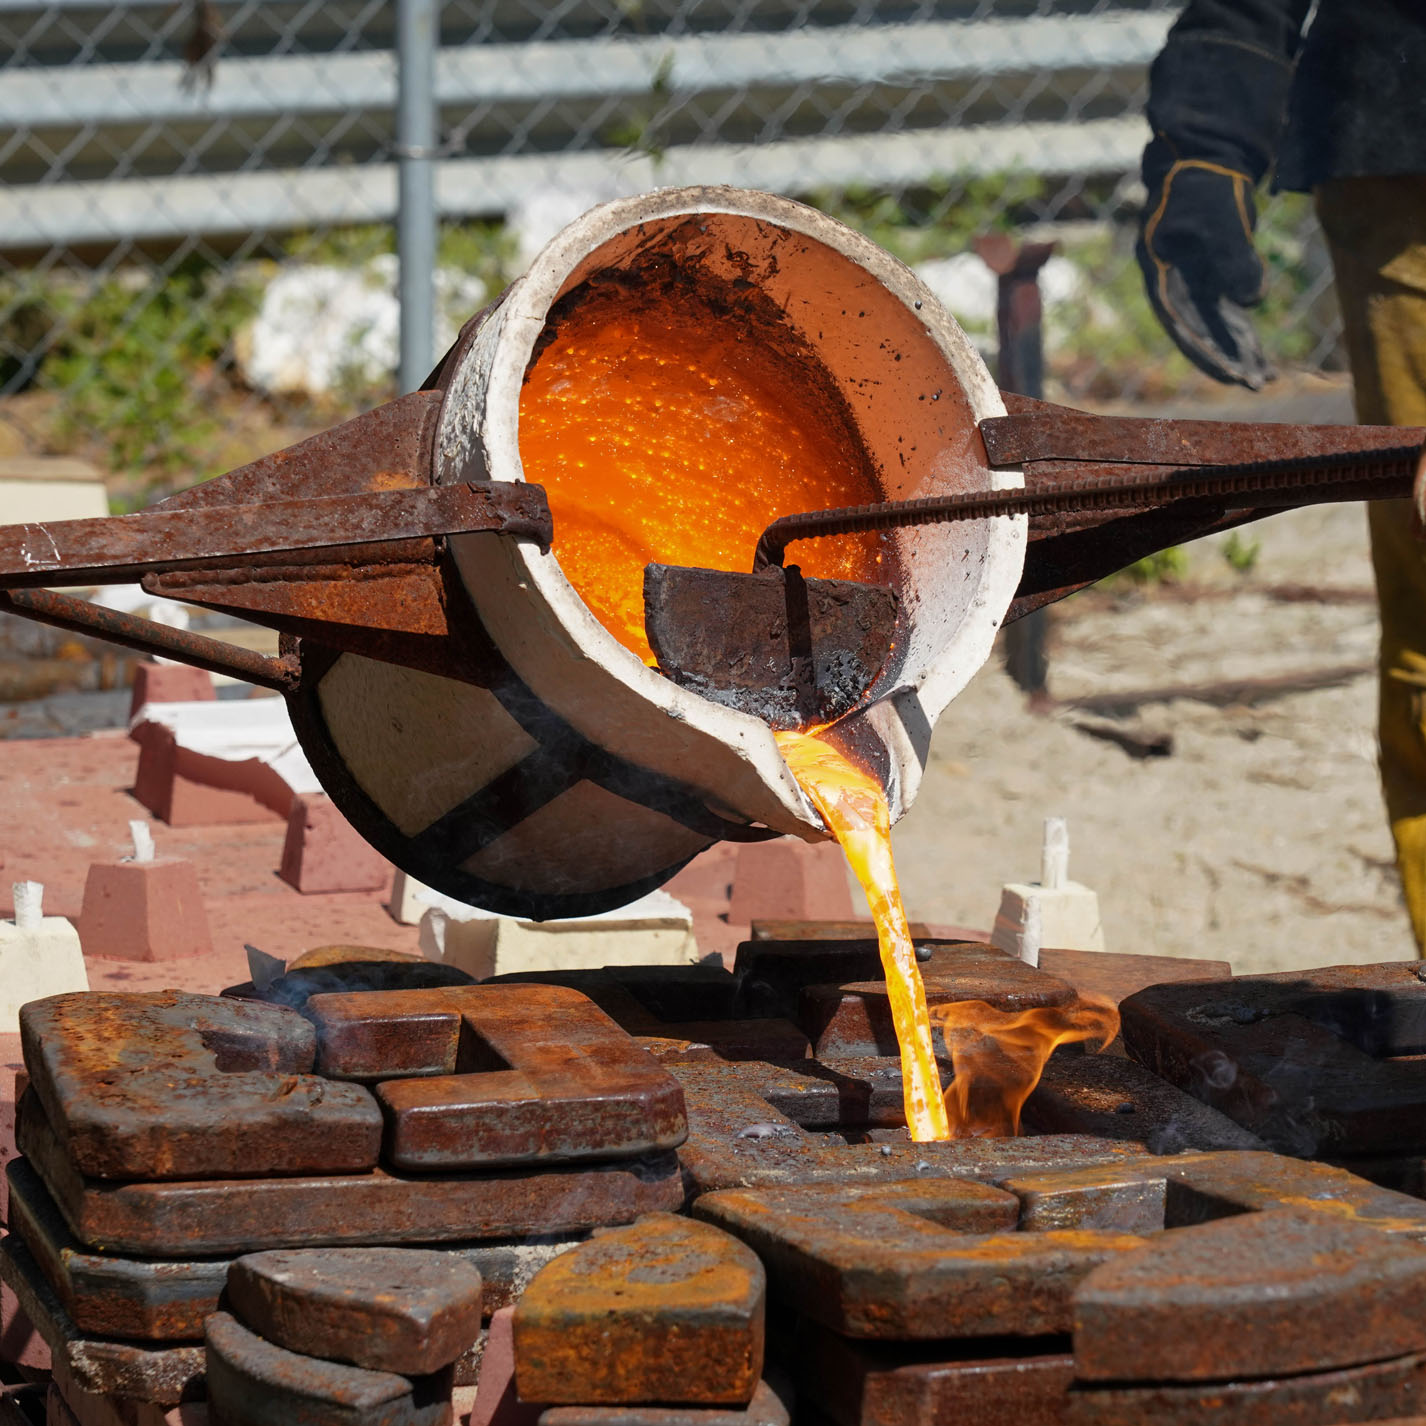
(1217, 101)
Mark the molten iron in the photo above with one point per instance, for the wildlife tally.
(665, 431)
(853, 805)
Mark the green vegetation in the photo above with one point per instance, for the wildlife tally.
(138, 367)
(1161, 567)
(132, 359)
(1240, 551)
(939, 219)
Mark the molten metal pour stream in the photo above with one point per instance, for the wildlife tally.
(631, 416)
(854, 807)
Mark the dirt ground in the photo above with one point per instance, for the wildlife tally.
(1259, 839)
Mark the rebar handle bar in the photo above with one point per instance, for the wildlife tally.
(1385, 474)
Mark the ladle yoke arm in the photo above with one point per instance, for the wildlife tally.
(119, 548)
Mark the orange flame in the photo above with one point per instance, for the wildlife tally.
(999, 1056)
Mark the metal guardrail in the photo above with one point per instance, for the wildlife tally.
(127, 151)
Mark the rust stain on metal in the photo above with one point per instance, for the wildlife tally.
(402, 1310)
(1315, 1063)
(509, 1074)
(1266, 1294)
(667, 1310)
(230, 1216)
(163, 1084)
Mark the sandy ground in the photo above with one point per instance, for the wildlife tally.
(1260, 839)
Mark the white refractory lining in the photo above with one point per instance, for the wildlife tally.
(1054, 854)
(142, 839)
(916, 389)
(29, 904)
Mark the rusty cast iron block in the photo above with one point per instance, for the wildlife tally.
(663, 1311)
(895, 1384)
(678, 1010)
(163, 1085)
(1119, 1099)
(913, 1261)
(1380, 1392)
(773, 974)
(819, 1094)
(251, 1382)
(164, 1375)
(1147, 1194)
(738, 1139)
(404, 1310)
(854, 1018)
(1322, 1064)
(104, 1295)
(1263, 1294)
(767, 1408)
(166, 1300)
(231, 1216)
(509, 1074)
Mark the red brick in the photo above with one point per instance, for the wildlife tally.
(169, 683)
(790, 880)
(143, 911)
(324, 852)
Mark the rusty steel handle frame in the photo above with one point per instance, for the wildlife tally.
(118, 549)
(1355, 475)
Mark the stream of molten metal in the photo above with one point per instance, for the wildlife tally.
(853, 805)
(663, 432)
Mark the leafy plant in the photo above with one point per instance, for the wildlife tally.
(130, 358)
(640, 131)
(1240, 552)
(940, 218)
(1163, 566)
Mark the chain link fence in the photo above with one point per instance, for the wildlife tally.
(197, 200)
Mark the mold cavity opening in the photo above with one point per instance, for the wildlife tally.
(475, 1054)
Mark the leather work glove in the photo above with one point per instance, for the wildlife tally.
(1201, 270)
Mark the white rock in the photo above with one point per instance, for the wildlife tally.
(968, 289)
(320, 328)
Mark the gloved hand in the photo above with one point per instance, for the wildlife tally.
(1200, 267)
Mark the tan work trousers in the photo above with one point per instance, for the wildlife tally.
(1376, 229)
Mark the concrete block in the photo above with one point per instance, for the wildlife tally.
(790, 880)
(1053, 911)
(39, 955)
(411, 899)
(214, 763)
(169, 683)
(496, 1403)
(20, 1342)
(37, 488)
(10, 1063)
(655, 930)
(324, 852)
(144, 907)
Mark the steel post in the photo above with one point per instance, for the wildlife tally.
(417, 24)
